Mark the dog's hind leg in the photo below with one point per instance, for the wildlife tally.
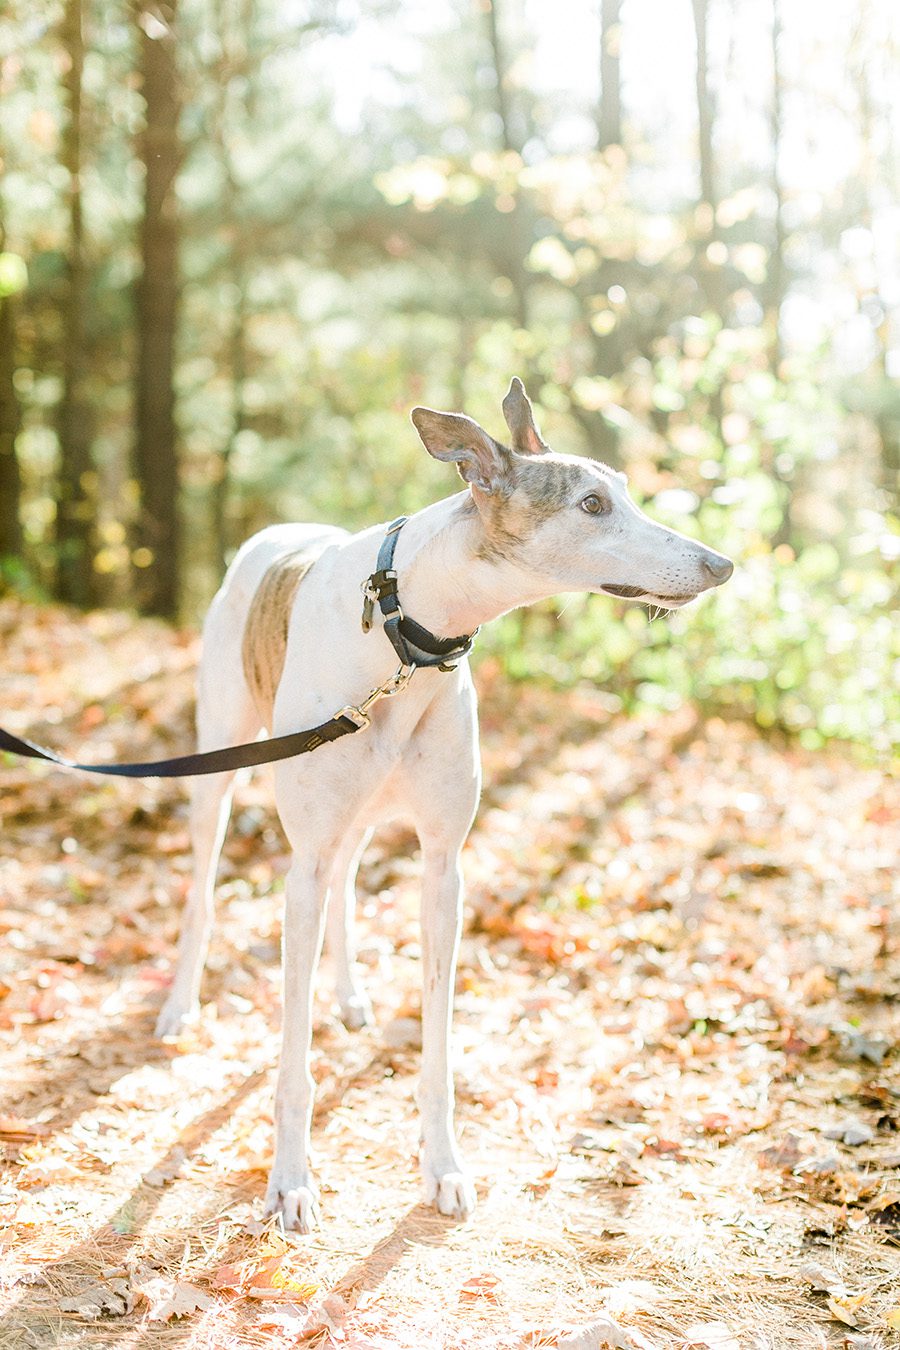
(225, 716)
(356, 1010)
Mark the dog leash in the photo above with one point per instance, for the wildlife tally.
(415, 645)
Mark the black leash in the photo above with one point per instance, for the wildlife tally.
(415, 646)
(211, 761)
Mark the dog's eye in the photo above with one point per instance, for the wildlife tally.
(594, 505)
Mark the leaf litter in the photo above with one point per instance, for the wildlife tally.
(678, 977)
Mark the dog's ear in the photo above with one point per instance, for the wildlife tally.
(526, 438)
(457, 439)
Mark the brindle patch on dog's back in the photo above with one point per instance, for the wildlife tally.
(266, 630)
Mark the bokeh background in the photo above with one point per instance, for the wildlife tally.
(239, 239)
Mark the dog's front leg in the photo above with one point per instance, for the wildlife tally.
(447, 1184)
(292, 1192)
(356, 1010)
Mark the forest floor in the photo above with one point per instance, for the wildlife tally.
(677, 1041)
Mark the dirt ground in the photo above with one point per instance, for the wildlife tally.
(677, 1041)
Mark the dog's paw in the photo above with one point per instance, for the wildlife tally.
(452, 1193)
(297, 1206)
(356, 1013)
(174, 1016)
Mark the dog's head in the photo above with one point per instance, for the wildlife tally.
(565, 519)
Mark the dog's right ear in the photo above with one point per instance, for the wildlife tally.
(457, 439)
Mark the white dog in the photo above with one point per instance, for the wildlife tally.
(283, 647)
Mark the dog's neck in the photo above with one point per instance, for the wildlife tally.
(448, 581)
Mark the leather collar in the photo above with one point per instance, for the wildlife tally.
(414, 645)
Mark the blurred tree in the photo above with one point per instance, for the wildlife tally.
(155, 445)
(609, 124)
(777, 272)
(509, 139)
(881, 395)
(76, 504)
(705, 112)
(10, 417)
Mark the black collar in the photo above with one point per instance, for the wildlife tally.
(413, 644)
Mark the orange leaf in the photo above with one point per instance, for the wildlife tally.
(16, 1130)
(481, 1286)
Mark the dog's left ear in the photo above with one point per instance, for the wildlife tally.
(453, 437)
(526, 438)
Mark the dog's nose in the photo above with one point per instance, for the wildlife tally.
(719, 567)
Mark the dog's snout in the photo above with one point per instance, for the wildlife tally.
(718, 567)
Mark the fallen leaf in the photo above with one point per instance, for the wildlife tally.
(290, 1321)
(168, 1301)
(603, 1334)
(167, 1170)
(481, 1286)
(16, 1130)
(786, 1154)
(114, 1299)
(275, 1280)
(852, 1132)
(821, 1279)
(710, 1336)
(845, 1308)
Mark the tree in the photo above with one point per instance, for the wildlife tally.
(609, 122)
(155, 445)
(75, 506)
(705, 111)
(777, 277)
(10, 477)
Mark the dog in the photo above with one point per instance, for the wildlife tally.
(283, 646)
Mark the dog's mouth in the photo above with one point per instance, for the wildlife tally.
(649, 597)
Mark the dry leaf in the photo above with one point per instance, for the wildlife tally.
(168, 1300)
(710, 1336)
(820, 1279)
(604, 1334)
(481, 1286)
(16, 1130)
(274, 1279)
(115, 1299)
(892, 1319)
(786, 1154)
(167, 1170)
(845, 1308)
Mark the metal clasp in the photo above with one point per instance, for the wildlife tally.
(359, 713)
(372, 593)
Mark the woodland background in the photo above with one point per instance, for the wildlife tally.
(241, 238)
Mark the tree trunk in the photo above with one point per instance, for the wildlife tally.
(609, 125)
(501, 88)
(517, 236)
(705, 111)
(886, 411)
(155, 452)
(237, 370)
(10, 479)
(75, 504)
(777, 273)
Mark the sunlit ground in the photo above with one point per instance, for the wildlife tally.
(678, 981)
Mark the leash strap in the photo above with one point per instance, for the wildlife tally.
(414, 645)
(210, 761)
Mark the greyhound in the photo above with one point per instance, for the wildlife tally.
(283, 646)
